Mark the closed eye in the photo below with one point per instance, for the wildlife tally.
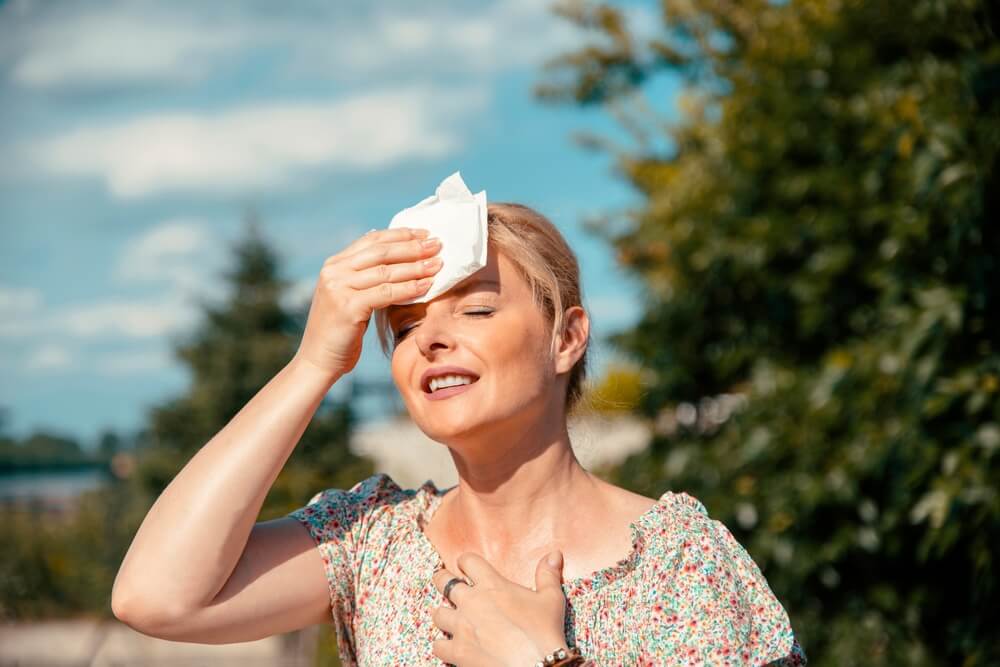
(402, 333)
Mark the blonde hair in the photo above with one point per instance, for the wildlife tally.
(545, 261)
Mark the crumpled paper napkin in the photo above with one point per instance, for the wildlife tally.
(458, 218)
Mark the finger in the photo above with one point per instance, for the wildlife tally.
(373, 236)
(394, 273)
(477, 568)
(547, 575)
(441, 578)
(446, 618)
(387, 294)
(449, 651)
(458, 591)
(392, 251)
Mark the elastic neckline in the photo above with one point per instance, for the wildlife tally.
(429, 498)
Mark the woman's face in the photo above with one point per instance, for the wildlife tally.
(490, 329)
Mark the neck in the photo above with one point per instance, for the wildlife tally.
(515, 500)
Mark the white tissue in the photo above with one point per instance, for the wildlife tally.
(458, 218)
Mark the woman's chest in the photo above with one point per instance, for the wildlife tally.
(393, 625)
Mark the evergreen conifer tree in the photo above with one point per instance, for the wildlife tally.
(238, 347)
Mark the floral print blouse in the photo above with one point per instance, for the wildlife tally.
(686, 594)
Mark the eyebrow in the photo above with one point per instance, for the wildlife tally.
(455, 290)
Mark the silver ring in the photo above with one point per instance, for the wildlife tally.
(451, 583)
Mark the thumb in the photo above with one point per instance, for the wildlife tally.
(548, 574)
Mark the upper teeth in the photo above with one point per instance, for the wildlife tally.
(443, 381)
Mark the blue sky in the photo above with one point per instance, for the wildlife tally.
(137, 134)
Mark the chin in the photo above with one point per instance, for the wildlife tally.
(445, 429)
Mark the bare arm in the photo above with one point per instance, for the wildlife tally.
(198, 546)
(199, 569)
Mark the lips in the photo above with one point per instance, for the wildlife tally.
(440, 371)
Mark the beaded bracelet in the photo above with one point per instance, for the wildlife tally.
(562, 657)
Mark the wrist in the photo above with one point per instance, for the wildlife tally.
(300, 365)
(559, 654)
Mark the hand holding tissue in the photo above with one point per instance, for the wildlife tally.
(458, 218)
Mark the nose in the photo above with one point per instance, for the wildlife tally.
(433, 336)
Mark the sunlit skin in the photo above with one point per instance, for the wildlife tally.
(521, 490)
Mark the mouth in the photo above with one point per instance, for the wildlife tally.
(439, 377)
(448, 392)
(447, 381)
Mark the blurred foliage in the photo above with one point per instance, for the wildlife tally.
(326, 647)
(819, 233)
(43, 449)
(618, 390)
(64, 565)
(238, 348)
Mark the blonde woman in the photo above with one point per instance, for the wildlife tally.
(461, 575)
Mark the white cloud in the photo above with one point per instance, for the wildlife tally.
(120, 319)
(16, 301)
(109, 48)
(69, 328)
(113, 43)
(180, 251)
(126, 318)
(145, 318)
(261, 146)
(18, 307)
(133, 363)
(493, 37)
(49, 357)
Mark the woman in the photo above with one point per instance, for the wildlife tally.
(424, 576)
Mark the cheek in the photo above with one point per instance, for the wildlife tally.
(399, 365)
(519, 355)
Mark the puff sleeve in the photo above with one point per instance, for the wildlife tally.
(715, 606)
(340, 521)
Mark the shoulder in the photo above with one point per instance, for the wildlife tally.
(714, 599)
(332, 512)
(623, 504)
(379, 486)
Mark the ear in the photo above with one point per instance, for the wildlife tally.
(573, 342)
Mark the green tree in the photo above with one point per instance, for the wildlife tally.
(238, 348)
(65, 565)
(819, 236)
(43, 449)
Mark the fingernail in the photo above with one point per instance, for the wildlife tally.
(425, 283)
(432, 262)
(430, 243)
(554, 558)
(420, 233)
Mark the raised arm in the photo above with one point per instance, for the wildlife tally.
(198, 560)
(199, 568)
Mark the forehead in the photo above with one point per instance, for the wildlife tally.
(499, 277)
